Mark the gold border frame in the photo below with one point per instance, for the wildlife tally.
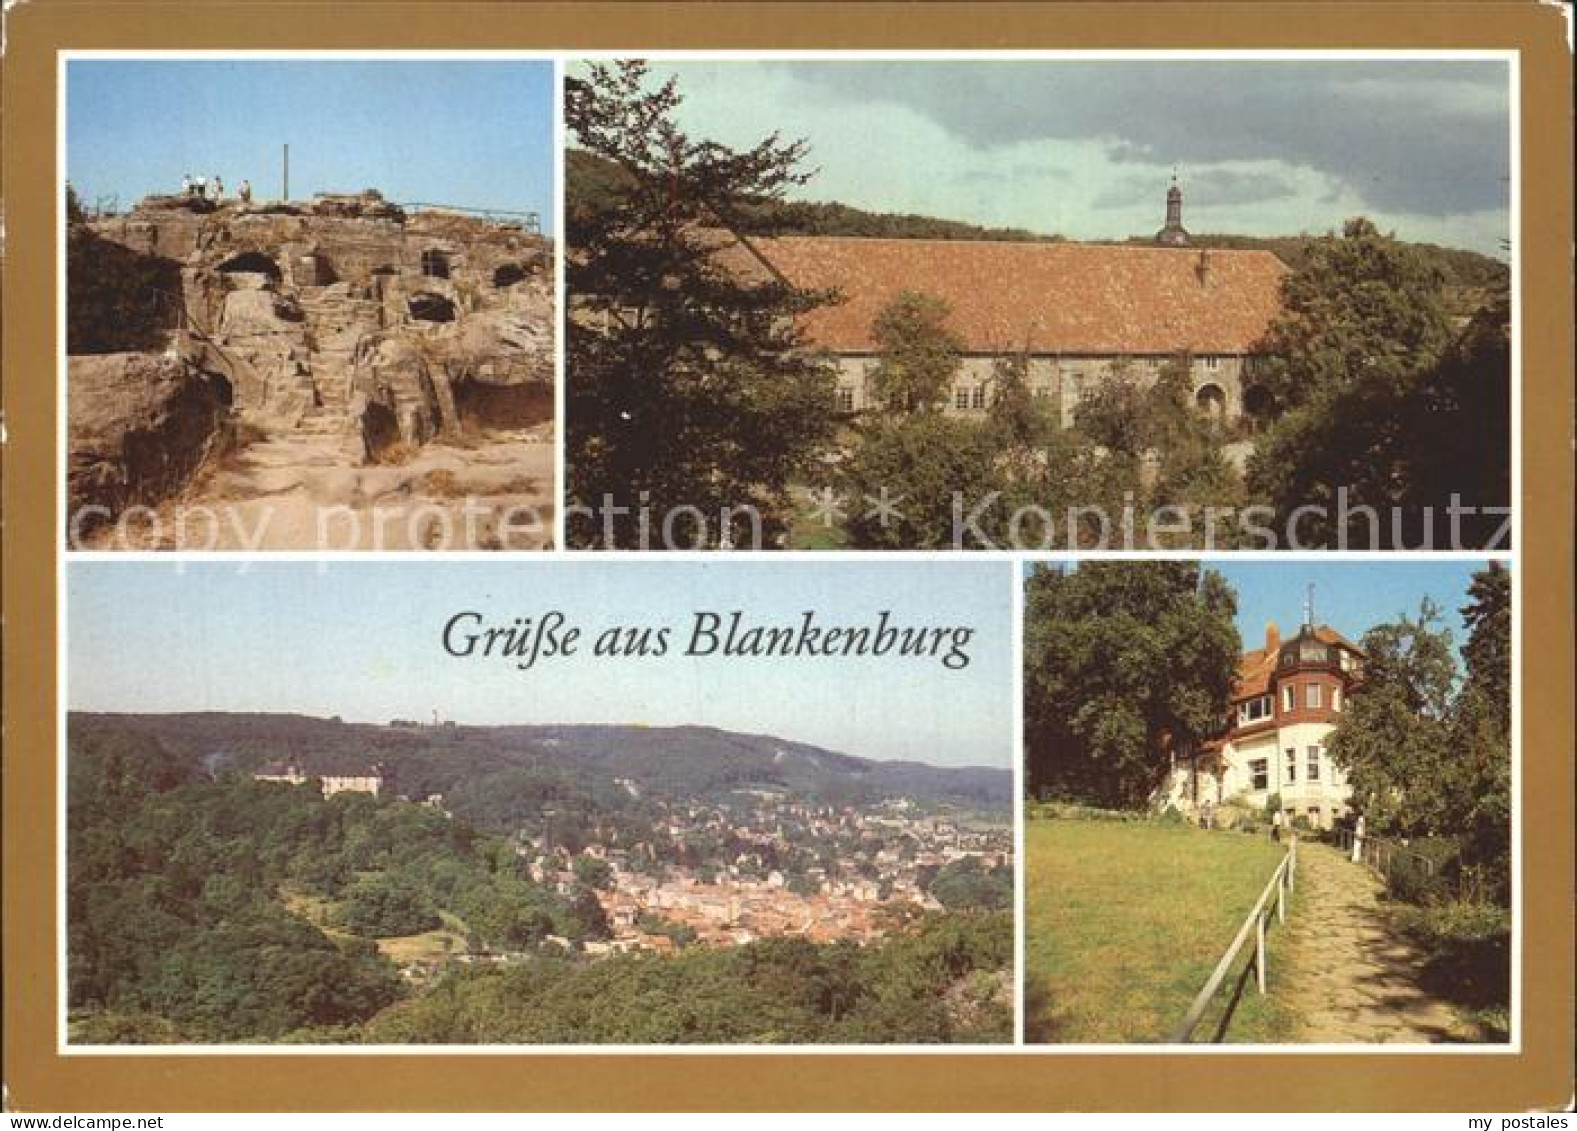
(38, 1078)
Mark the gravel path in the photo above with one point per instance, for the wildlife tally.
(1350, 975)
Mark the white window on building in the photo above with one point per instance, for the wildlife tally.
(1288, 699)
(1210, 361)
(1336, 699)
(977, 398)
(1312, 695)
(961, 398)
(1292, 765)
(845, 398)
(1259, 770)
(1311, 767)
(1254, 710)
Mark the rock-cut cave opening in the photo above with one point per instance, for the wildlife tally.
(425, 306)
(251, 263)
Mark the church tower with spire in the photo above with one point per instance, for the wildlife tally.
(1174, 234)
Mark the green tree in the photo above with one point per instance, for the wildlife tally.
(1393, 740)
(1018, 423)
(1477, 780)
(1362, 307)
(965, 884)
(925, 465)
(687, 386)
(1191, 468)
(388, 906)
(588, 919)
(593, 872)
(918, 355)
(1120, 660)
(1458, 444)
(1362, 360)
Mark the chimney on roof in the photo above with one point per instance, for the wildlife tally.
(1173, 234)
(1202, 268)
(1272, 637)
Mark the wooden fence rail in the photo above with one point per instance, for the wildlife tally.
(1380, 853)
(1283, 881)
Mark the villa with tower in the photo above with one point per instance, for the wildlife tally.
(1289, 696)
(1075, 311)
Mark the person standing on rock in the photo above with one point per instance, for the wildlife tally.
(186, 184)
(219, 188)
(244, 191)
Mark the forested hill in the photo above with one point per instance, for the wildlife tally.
(590, 180)
(478, 768)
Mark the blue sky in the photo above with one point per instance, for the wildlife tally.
(363, 640)
(475, 134)
(1086, 148)
(1350, 596)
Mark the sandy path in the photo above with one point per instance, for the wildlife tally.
(1350, 976)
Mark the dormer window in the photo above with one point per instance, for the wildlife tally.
(1254, 709)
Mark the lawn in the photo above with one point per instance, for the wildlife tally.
(430, 946)
(1124, 921)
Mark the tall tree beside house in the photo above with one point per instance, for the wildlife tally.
(1019, 422)
(1362, 307)
(686, 386)
(1122, 662)
(1382, 407)
(918, 355)
(1394, 741)
(1191, 468)
(909, 452)
(1460, 441)
(1427, 745)
(1151, 448)
(1478, 779)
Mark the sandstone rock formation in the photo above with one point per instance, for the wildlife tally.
(344, 325)
(145, 423)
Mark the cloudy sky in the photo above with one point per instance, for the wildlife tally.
(1086, 148)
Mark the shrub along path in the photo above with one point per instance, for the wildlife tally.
(1349, 973)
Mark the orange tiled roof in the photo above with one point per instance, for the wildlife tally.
(1254, 672)
(1049, 297)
